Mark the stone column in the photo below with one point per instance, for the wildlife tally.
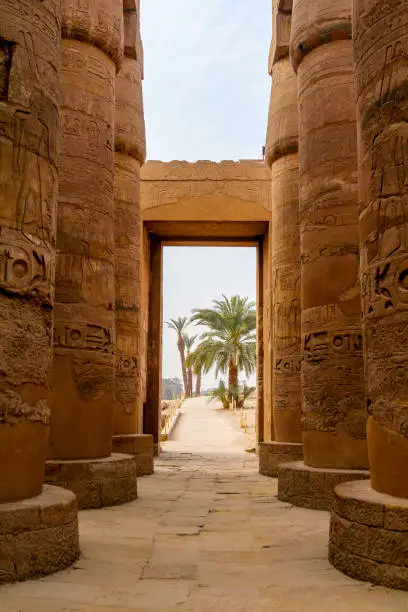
(29, 117)
(282, 158)
(381, 53)
(334, 411)
(130, 154)
(381, 510)
(82, 415)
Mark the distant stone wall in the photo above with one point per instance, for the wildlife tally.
(165, 184)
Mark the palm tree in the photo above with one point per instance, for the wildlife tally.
(221, 394)
(193, 361)
(179, 325)
(241, 394)
(198, 382)
(230, 342)
(189, 342)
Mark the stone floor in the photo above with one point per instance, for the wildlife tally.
(207, 533)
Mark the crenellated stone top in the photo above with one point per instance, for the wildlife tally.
(242, 170)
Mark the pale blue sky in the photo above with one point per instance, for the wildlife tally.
(206, 93)
(206, 86)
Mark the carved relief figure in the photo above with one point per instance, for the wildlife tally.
(33, 172)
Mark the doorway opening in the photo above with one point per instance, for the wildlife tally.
(253, 238)
(208, 335)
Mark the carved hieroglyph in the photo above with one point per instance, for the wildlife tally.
(334, 414)
(130, 153)
(228, 184)
(91, 50)
(282, 156)
(29, 106)
(381, 54)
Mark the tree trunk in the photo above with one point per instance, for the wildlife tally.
(190, 382)
(225, 404)
(232, 378)
(198, 383)
(181, 346)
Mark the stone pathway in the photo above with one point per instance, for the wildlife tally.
(204, 427)
(207, 533)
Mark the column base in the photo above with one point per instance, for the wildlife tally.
(273, 454)
(38, 536)
(369, 535)
(139, 445)
(109, 481)
(308, 487)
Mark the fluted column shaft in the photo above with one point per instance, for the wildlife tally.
(381, 56)
(334, 414)
(91, 54)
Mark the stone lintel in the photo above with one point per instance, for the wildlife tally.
(273, 454)
(139, 445)
(308, 487)
(369, 535)
(38, 536)
(109, 481)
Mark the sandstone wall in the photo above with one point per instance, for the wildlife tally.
(205, 190)
(29, 117)
(332, 362)
(91, 54)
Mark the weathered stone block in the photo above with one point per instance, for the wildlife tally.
(19, 516)
(88, 493)
(7, 557)
(309, 487)
(273, 454)
(46, 550)
(367, 549)
(103, 482)
(45, 540)
(118, 491)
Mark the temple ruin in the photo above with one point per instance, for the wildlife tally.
(83, 222)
